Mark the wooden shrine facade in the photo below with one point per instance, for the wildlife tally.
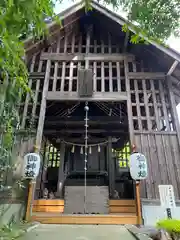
(91, 59)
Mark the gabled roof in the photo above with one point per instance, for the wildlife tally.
(115, 17)
(165, 54)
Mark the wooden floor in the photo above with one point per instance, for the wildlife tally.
(109, 219)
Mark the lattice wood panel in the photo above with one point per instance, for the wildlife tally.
(151, 109)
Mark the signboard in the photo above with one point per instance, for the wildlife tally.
(167, 197)
(31, 165)
(138, 166)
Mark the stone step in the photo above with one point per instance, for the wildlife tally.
(97, 198)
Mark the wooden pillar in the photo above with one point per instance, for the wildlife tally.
(138, 203)
(173, 106)
(32, 184)
(111, 168)
(129, 104)
(61, 171)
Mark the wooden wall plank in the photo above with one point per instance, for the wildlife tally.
(149, 180)
(143, 191)
(175, 154)
(169, 163)
(155, 170)
(160, 158)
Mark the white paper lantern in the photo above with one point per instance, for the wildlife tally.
(138, 166)
(32, 163)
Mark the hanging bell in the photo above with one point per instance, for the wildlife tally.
(81, 151)
(90, 150)
(99, 148)
(73, 149)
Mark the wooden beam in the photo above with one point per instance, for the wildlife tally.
(76, 121)
(36, 75)
(97, 96)
(84, 57)
(172, 68)
(146, 75)
(69, 131)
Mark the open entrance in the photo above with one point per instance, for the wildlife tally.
(106, 174)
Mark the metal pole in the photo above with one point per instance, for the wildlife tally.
(86, 108)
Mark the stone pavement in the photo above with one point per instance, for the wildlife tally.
(78, 232)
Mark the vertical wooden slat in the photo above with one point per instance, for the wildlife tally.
(110, 65)
(118, 76)
(155, 105)
(137, 100)
(149, 125)
(64, 66)
(36, 93)
(71, 64)
(110, 78)
(79, 50)
(27, 95)
(56, 65)
(95, 69)
(129, 105)
(102, 69)
(161, 89)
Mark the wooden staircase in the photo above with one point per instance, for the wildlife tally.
(52, 212)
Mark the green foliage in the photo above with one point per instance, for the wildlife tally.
(156, 19)
(172, 226)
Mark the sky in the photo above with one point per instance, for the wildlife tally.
(172, 41)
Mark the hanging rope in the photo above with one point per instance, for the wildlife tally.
(83, 145)
(86, 108)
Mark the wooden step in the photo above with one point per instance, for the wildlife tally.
(122, 206)
(108, 219)
(49, 205)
